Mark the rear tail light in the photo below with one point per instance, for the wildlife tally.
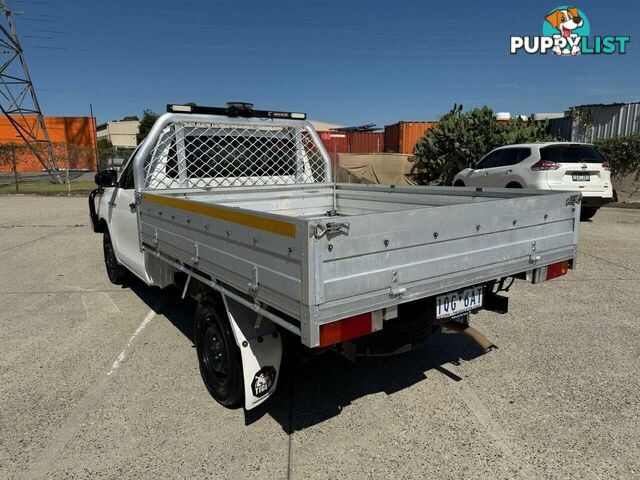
(543, 165)
(606, 166)
(346, 329)
(556, 270)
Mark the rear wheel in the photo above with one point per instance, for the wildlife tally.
(117, 273)
(218, 355)
(514, 185)
(458, 183)
(587, 213)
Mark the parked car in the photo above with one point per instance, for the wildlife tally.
(545, 166)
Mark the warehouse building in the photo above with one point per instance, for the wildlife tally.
(73, 140)
(586, 123)
(121, 134)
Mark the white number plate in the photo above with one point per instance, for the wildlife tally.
(454, 303)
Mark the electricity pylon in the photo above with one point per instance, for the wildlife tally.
(18, 99)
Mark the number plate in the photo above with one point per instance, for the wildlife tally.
(581, 177)
(455, 303)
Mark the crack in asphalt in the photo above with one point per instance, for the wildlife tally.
(512, 451)
(64, 292)
(610, 262)
(19, 225)
(35, 240)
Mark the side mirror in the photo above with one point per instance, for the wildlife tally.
(106, 178)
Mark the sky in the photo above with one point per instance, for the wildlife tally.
(346, 62)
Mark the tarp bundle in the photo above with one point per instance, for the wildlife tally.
(380, 168)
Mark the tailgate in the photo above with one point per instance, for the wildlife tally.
(587, 177)
(390, 258)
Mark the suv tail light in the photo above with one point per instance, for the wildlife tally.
(543, 165)
(606, 166)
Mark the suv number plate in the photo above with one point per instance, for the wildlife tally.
(581, 177)
(455, 303)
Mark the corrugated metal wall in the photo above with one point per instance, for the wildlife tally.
(335, 143)
(610, 121)
(366, 142)
(401, 137)
(607, 121)
(352, 142)
(561, 128)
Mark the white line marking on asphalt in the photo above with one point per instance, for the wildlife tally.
(41, 466)
(120, 358)
(115, 307)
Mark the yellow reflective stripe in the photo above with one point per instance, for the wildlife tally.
(267, 224)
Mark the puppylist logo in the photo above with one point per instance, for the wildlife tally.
(566, 31)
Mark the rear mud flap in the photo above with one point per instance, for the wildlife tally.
(260, 350)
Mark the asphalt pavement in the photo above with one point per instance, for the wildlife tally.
(98, 381)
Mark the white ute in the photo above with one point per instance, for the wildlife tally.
(236, 208)
(546, 166)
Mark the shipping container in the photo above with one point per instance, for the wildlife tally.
(366, 142)
(352, 142)
(335, 142)
(401, 137)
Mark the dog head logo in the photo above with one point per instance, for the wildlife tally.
(568, 23)
(566, 20)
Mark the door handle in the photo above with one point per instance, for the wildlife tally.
(132, 206)
(508, 172)
(485, 174)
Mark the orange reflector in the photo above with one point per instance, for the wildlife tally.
(557, 269)
(345, 329)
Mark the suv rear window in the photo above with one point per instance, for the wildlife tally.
(513, 156)
(571, 154)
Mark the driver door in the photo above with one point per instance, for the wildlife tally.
(123, 223)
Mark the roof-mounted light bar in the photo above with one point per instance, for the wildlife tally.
(235, 109)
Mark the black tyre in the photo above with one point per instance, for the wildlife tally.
(218, 355)
(458, 183)
(117, 273)
(587, 213)
(514, 185)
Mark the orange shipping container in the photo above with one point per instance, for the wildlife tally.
(366, 142)
(401, 137)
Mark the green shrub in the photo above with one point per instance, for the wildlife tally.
(623, 153)
(461, 138)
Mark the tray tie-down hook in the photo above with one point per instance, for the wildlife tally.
(533, 256)
(329, 230)
(574, 199)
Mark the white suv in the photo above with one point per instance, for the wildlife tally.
(547, 166)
